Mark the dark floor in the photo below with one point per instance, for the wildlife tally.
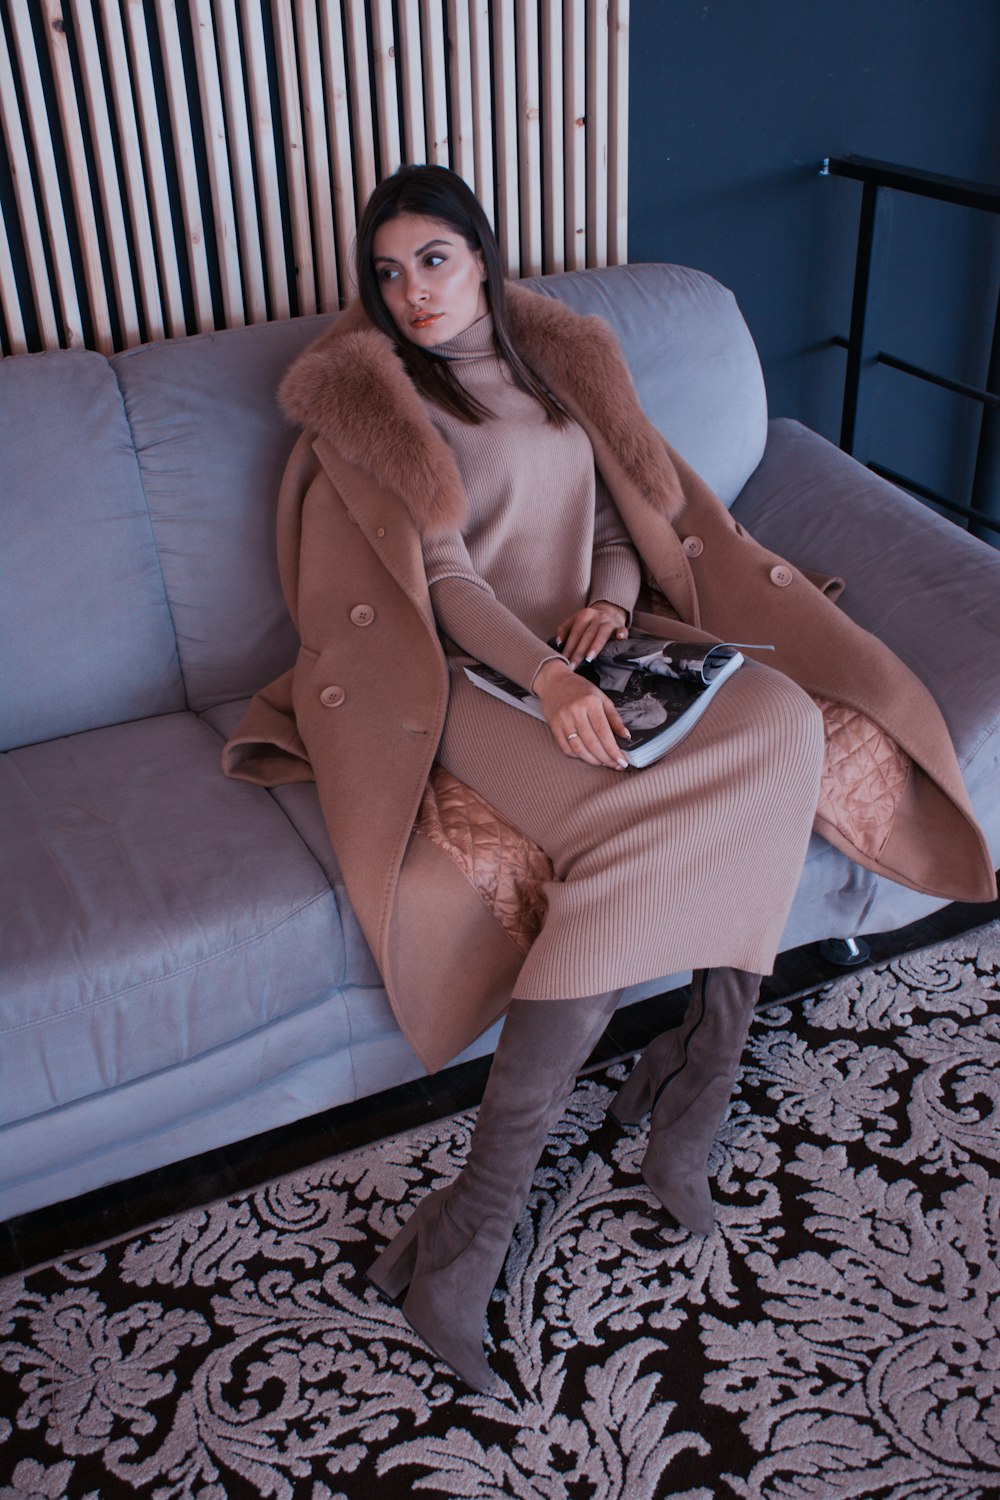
(116, 1210)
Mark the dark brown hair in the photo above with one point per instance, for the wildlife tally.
(432, 192)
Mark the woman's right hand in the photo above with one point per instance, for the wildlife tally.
(582, 719)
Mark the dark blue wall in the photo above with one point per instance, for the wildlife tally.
(734, 104)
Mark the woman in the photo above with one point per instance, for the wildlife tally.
(447, 476)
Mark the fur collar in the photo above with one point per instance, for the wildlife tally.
(351, 389)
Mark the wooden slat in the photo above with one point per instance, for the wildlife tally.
(414, 127)
(505, 137)
(338, 124)
(266, 157)
(529, 138)
(526, 99)
(156, 171)
(356, 47)
(32, 236)
(482, 105)
(10, 305)
(463, 155)
(143, 244)
(618, 129)
(575, 133)
(217, 151)
(295, 164)
(386, 94)
(317, 158)
(597, 133)
(187, 172)
(435, 82)
(553, 152)
(227, 40)
(76, 159)
(102, 129)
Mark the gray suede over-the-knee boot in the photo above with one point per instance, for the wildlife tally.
(451, 1250)
(685, 1077)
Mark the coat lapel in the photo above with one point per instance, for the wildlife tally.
(351, 389)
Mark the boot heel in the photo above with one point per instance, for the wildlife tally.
(392, 1272)
(635, 1097)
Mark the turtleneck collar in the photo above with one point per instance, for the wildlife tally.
(472, 343)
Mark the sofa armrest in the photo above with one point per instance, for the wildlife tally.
(925, 587)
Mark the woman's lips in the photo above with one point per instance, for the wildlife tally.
(424, 320)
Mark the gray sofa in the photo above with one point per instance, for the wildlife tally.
(180, 966)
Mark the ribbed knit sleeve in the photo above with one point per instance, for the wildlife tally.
(616, 573)
(471, 615)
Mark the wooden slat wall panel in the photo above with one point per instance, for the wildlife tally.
(24, 208)
(180, 165)
(240, 142)
(295, 167)
(124, 113)
(575, 132)
(46, 189)
(597, 133)
(217, 150)
(155, 158)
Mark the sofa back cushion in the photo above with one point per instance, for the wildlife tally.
(692, 359)
(148, 506)
(212, 445)
(85, 631)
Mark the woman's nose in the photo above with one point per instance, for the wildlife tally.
(416, 292)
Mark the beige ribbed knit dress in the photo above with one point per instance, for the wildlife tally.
(688, 863)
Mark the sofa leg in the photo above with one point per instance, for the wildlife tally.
(847, 953)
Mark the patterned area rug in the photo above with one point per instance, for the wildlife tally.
(838, 1334)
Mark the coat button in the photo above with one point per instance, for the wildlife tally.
(781, 576)
(694, 546)
(380, 531)
(362, 614)
(332, 697)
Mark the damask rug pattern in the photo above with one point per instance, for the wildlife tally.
(838, 1335)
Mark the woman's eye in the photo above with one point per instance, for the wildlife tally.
(386, 273)
(434, 260)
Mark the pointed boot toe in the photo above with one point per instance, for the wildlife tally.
(450, 1292)
(450, 1336)
(687, 1197)
(675, 1167)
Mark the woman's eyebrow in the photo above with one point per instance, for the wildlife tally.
(419, 251)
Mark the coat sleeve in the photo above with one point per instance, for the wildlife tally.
(265, 748)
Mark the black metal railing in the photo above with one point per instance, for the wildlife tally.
(877, 176)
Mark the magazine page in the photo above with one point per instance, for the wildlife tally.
(660, 688)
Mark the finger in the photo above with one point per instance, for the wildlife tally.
(576, 747)
(561, 630)
(614, 718)
(599, 638)
(591, 639)
(600, 742)
(579, 633)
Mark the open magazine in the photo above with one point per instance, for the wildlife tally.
(660, 688)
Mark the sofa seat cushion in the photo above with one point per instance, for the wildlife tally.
(151, 909)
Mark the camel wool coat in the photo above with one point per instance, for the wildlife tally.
(362, 710)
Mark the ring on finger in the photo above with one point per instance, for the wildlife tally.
(573, 736)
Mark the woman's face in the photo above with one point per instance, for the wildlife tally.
(646, 712)
(431, 282)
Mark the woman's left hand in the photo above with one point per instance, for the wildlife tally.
(581, 635)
